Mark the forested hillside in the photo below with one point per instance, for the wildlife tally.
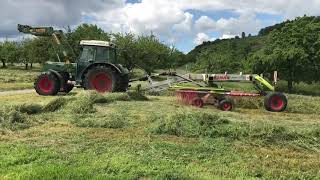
(227, 55)
(292, 48)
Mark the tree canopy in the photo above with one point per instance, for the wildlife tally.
(292, 48)
(145, 51)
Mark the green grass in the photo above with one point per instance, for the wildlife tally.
(17, 78)
(87, 135)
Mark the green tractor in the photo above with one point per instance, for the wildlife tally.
(95, 69)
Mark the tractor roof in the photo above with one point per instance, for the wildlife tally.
(97, 43)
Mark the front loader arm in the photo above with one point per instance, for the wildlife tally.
(57, 35)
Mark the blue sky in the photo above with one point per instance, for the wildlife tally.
(180, 23)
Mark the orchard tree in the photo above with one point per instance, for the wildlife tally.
(127, 49)
(9, 53)
(243, 35)
(293, 50)
(145, 51)
(85, 32)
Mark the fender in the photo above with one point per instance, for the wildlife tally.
(58, 75)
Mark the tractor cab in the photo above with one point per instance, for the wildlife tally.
(94, 52)
(97, 51)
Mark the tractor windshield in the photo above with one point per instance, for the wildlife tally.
(88, 53)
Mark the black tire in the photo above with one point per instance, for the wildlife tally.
(123, 83)
(226, 104)
(101, 79)
(275, 102)
(47, 84)
(66, 88)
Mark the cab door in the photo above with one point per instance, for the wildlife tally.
(87, 57)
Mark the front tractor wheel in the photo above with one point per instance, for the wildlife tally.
(47, 84)
(275, 102)
(101, 79)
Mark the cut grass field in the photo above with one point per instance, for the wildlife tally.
(17, 78)
(87, 135)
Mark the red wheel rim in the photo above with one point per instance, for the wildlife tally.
(226, 106)
(277, 103)
(45, 84)
(198, 103)
(101, 82)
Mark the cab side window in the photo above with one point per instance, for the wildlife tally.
(102, 54)
(88, 53)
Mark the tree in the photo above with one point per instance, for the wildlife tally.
(85, 32)
(127, 49)
(9, 53)
(243, 35)
(145, 51)
(294, 51)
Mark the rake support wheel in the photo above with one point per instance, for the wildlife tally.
(198, 102)
(275, 102)
(226, 105)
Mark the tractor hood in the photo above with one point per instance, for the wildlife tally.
(60, 66)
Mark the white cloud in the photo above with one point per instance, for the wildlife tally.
(204, 23)
(46, 12)
(202, 37)
(246, 22)
(227, 36)
(186, 25)
(169, 19)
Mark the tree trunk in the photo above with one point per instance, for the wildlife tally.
(26, 66)
(31, 65)
(290, 85)
(290, 79)
(3, 64)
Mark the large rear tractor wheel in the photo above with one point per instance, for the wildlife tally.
(275, 102)
(47, 84)
(100, 78)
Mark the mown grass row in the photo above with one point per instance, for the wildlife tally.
(81, 110)
(15, 117)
